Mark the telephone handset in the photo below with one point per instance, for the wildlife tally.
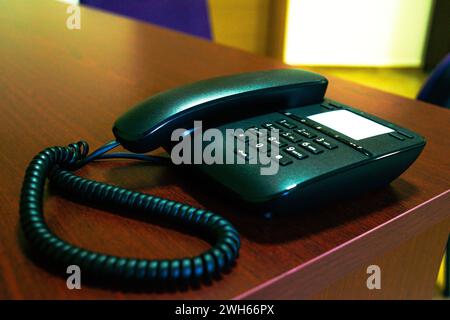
(146, 126)
(323, 150)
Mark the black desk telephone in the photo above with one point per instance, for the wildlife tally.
(323, 150)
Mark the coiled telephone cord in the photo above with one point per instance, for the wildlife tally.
(58, 164)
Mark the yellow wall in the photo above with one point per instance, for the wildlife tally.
(241, 23)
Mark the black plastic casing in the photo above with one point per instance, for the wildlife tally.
(247, 100)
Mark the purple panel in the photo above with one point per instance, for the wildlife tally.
(189, 16)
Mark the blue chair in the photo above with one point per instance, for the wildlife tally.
(186, 16)
(436, 90)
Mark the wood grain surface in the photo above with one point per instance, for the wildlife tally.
(58, 86)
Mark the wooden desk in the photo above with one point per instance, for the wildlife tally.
(58, 86)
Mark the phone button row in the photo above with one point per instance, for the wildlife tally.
(276, 143)
(327, 144)
(306, 133)
(292, 137)
(397, 136)
(353, 145)
(271, 126)
(282, 159)
(403, 133)
(257, 132)
(261, 147)
(242, 137)
(326, 105)
(243, 153)
(293, 151)
(286, 124)
(310, 147)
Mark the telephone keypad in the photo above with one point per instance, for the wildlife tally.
(295, 147)
(293, 143)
